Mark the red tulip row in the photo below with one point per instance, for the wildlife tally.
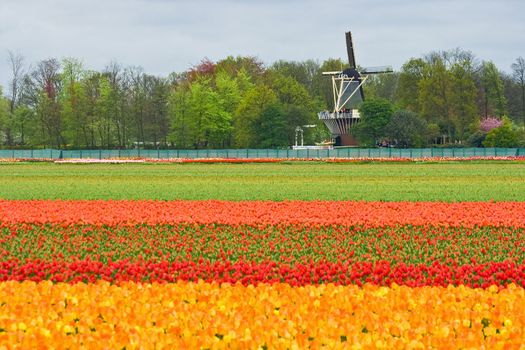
(409, 255)
(313, 213)
(378, 273)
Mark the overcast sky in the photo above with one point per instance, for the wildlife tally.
(164, 36)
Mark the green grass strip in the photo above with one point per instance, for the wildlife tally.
(449, 181)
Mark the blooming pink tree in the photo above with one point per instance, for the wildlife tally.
(490, 123)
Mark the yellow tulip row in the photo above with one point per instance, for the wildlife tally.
(210, 315)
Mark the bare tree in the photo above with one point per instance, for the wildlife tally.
(138, 90)
(117, 81)
(16, 62)
(46, 84)
(518, 72)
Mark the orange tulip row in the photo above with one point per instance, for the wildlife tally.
(209, 315)
(369, 214)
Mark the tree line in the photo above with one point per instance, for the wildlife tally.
(445, 98)
(448, 98)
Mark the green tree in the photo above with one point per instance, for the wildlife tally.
(230, 94)
(244, 81)
(494, 101)
(433, 133)
(476, 139)
(304, 73)
(213, 123)
(272, 127)
(375, 116)
(290, 92)
(406, 129)
(463, 95)
(72, 101)
(158, 123)
(435, 89)
(298, 115)
(503, 136)
(25, 123)
(408, 89)
(249, 65)
(104, 112)
(513, 96)
(199, 116)
(91, 97)
(299, 106)
(227, 88)
(254, 102)
(179, 110)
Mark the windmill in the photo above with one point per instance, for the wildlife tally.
(347, 86)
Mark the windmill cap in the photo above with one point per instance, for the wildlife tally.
(351, 73)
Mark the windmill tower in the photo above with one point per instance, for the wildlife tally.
(347, 86)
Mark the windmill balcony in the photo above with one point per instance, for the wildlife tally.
(346, 114)
(339, 123)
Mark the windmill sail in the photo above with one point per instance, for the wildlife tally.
(350, 49)
(377, 70)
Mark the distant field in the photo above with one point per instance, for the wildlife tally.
(453, 181)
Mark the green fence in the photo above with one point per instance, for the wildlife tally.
(266, 153)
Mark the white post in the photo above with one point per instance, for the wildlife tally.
(334, 91)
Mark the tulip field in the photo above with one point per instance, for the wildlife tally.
(81, 269)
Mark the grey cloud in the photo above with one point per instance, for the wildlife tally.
(171, 35)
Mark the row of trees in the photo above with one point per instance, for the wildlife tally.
(239, 102)
(447, 97)
(392, 126)
(236, 102)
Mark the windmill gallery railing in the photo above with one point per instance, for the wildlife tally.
(339, 123)
(52, 154)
